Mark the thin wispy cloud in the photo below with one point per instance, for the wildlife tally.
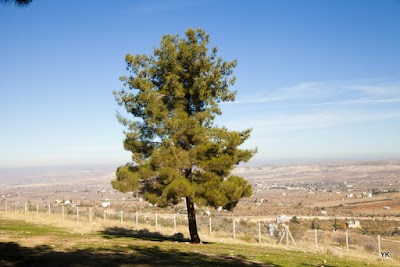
(304, 90)
(330, 93)
(361, 101)
(384, 89)
(319, 105)
(267, 124)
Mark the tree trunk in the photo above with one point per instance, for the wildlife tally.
(194, 236)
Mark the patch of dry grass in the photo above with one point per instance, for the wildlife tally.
(113, 237)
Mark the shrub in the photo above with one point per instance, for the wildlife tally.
(315, 223)
(297, 230)
(294, 220)
(370, 248)
(342, 240)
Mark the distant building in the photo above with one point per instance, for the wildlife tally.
(282, 219)
(259, 201)
(353, 224)
(106, 204)
(365, 194)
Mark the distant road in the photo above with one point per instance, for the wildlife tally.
(273, 218)
(387, 218)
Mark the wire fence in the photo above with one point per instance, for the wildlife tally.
(220, 227)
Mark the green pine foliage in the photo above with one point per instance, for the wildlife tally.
(171, 99)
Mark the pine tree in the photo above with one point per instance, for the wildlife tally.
(178, 153)
(22, 3)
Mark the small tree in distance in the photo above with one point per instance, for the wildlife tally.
(177, 151)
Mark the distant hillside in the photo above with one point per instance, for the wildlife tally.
(35, 175)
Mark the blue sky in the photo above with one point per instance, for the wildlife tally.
(316, 80)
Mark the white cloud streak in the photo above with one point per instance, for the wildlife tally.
(286, 123)
(362, 101)
(304, 90)
(323, 92)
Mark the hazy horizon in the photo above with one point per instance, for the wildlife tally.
(32, 170)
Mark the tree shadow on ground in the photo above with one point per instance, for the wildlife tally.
(12, 254)
(144, 234)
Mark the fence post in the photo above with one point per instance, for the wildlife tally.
(37, 209)
(287, 235)
(90, 215)
(259, 232)
(316, 237)
(234, 228)
(63, 212)
(156, 221)
(347, 240)
(122, 217)
(379, 246)
(25, 208)
(291, 237)
(209, 220)
(77, 214)
(137, 218)
(175, 223)
(49, 208)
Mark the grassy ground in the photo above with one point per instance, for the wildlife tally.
(34, 243)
